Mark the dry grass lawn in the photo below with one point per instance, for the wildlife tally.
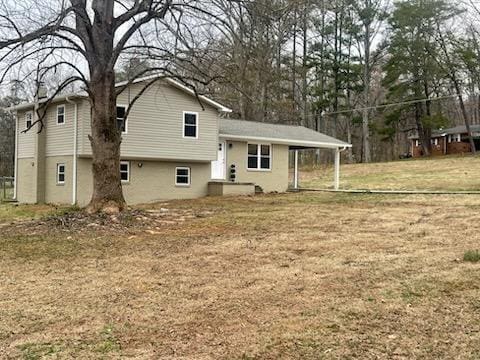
(295, 276)
(438, 173)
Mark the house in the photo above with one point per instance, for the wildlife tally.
(175, 145)
(448, 141)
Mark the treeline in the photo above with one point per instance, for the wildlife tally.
(310, 62)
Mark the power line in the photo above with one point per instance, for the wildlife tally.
(389, 105)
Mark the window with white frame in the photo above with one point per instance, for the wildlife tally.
(259, 157)
(60, 114)
(125, 171)
(182, 176)
(434, 141)
(60, 174)
(454, 138)
(121, 120)
(416, 143)
(190, 124)
(28, 119)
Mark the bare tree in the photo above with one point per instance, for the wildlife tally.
(90, 38)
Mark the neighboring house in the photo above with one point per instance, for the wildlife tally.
(448, 141)
(175, 145)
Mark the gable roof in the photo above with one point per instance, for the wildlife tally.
(174, 83)
(278, 134)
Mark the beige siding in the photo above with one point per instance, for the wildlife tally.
(274, 180)
(59, 138)
(25, 181)
(155, 126)
(58, 193)
(26, 142)
(153, 181)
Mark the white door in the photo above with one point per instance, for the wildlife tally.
(218, 167)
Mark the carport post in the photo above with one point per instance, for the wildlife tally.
(336, 181)
(295, 173)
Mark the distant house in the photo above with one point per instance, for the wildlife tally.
(174, 145)
(448, 141)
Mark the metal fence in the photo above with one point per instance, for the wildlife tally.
(6, 188)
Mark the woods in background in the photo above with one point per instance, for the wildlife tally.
(309, 62)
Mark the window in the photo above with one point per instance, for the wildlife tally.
(259, 157)
(28, 119)
(190, 125)
(121, 121)
(416, 143)
(182, 176)
(434, 141)
(60, 114)
(454, 138)
(60, 174)
(125, 171)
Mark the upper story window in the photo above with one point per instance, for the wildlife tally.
(60, 114)
(125, 171)
(121, 120)
(28, 119)
(190, 125)
(259, 157)
(60, 174)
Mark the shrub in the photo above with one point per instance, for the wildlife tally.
(471, 256)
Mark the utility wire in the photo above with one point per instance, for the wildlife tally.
(390, 105)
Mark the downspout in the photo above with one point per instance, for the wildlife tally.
(15, 167)
(75, 143)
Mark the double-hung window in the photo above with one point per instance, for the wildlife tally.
(60, 114)
(28, 119)
(190, 125)
(259, 157)
(182, 176)
(121, 120)
(60, 174)
(125, 171)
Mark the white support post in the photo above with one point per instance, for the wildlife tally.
(336, 181)
(295, 174)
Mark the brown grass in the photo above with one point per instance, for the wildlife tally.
(438, 173)
(306, 276)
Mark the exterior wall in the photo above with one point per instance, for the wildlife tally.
(25, 180)
(458, 148)
(59, 137)
(26, 142)
(154, 181)
(230, 189)
(274, 180)
(58, 193)
(155, 126)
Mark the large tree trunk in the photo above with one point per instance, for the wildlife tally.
(105, 140)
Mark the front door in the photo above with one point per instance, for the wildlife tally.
(218, 167)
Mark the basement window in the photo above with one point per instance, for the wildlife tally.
(60, 114)
(60, 174)
(259, 157)
(182, 176)
(121, 120)
(125, 171)
(190, 124)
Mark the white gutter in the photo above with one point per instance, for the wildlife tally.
(15, 180)
(287, 141)
(75, 157)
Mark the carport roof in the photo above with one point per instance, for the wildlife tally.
(299, 136)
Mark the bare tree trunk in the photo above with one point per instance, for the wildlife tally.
(366, 93)
(105, 139)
